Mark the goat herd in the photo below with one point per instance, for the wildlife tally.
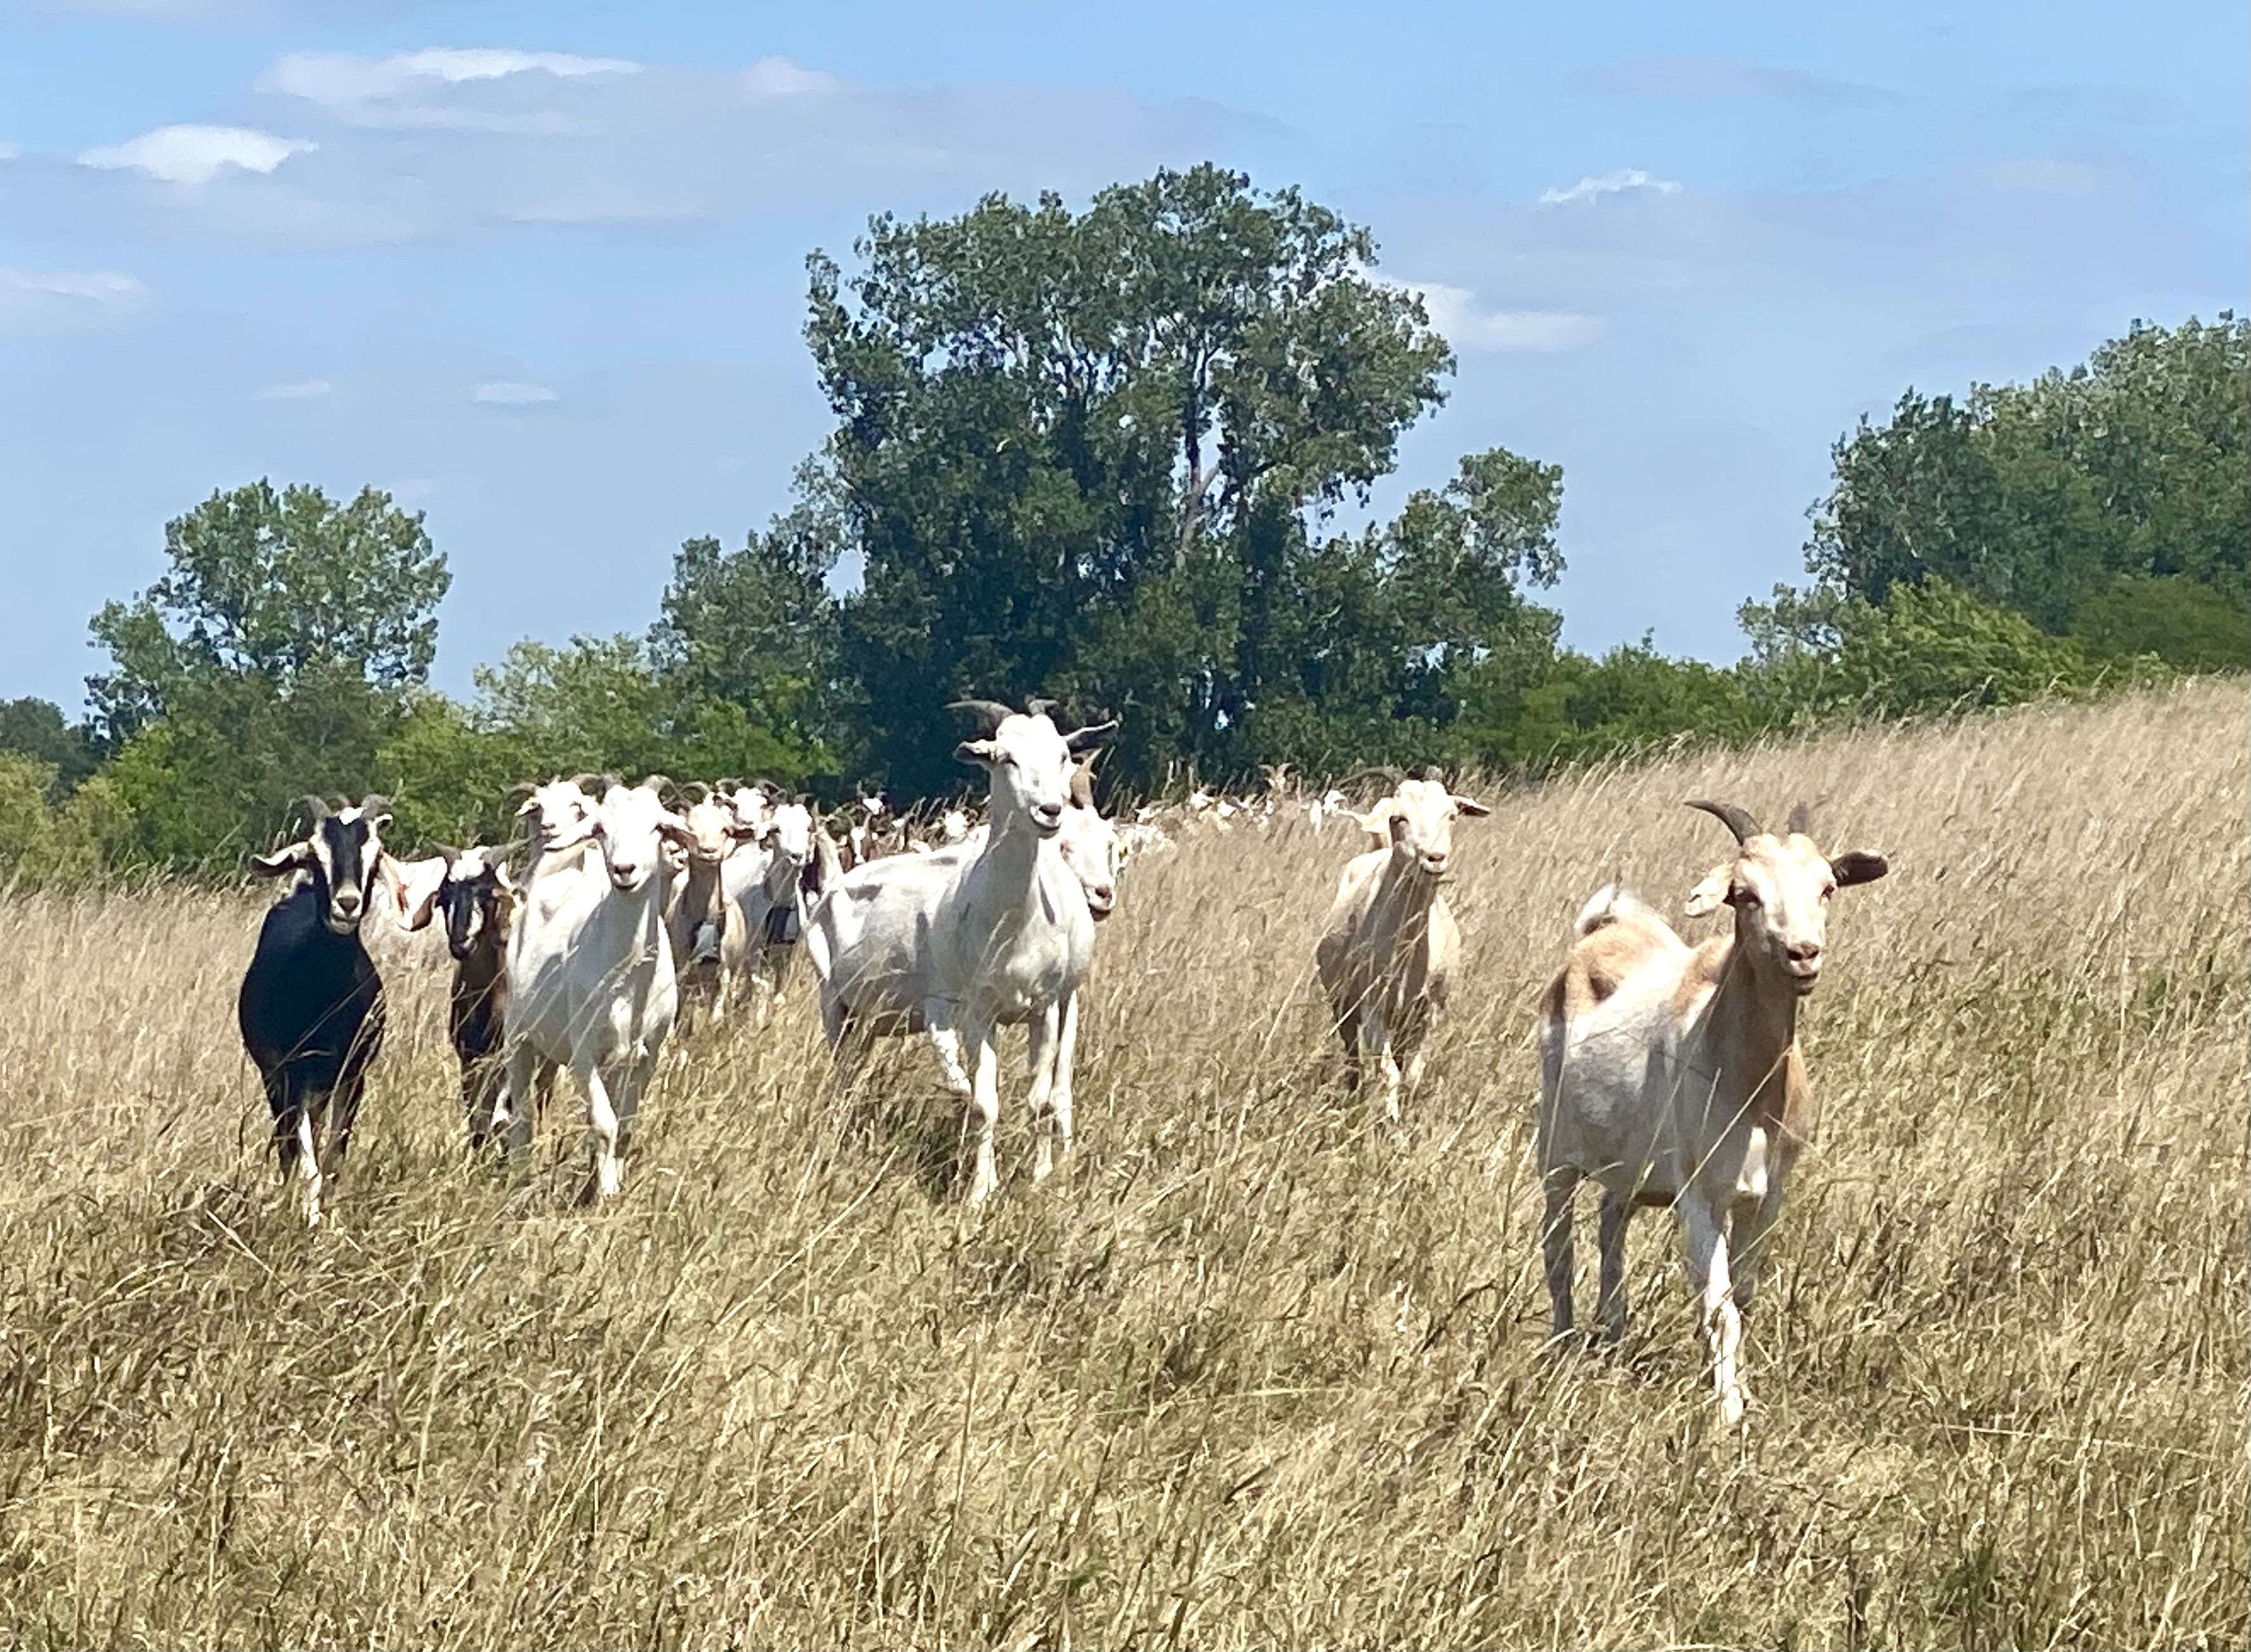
(1670, 1075)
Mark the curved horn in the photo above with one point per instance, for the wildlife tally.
(1737, 821)
(1384, 771)
(373, 804)
(524, 788)
(660, 783)
(1801, 817)
(991, 713)
(447, 853)
(696, 791)
(582, 778)
(315, 805)
(1040, 705)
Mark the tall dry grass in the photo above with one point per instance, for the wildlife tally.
(1258, 1370)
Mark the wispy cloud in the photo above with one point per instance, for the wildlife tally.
(1468, 325)
(1623, 179)
(782, 77)
(508, 392)
(196, 154)
(302, 389)
(65, 300)
(341, 79)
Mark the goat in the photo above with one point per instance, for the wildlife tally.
(591, 980)
(984, 933)
(705, 933)
(762, 883)
(1671, 1075)
(478, 898)
(311, 1008)
(1386, 956)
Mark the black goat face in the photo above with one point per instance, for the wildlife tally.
(347, 848)
(466, 899)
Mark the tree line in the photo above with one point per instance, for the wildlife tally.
(1102, 455)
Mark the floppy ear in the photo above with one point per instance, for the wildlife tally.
(414, 888)
(1470, 805)
(529, 806)
(282, 860)
(976, 752)
(675, 831)
(1711, 893)
(1858, 866)
(1377, 821)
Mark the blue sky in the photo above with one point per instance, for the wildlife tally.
(538, 268)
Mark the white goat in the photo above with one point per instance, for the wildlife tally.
(1387, 956)
(761, 882)
(1672, 1076)
(985, 934)
(591, 980)
(705, 930)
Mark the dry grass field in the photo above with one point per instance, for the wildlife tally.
(1258, 1370)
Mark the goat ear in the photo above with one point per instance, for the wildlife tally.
(529, 806)
(1470, 805)
(976, 752)
(282, 860)
(1086, 739)
(1858, 866)
(675, 829)
(414, 888)
(1711, 893)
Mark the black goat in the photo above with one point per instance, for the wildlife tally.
(478, 901)
(311, 1004)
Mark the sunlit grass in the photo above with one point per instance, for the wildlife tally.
(1257, 1370)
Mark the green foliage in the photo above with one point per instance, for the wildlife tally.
(34, 728)
(2041, 496)
(271, 659)
(747, 644)
(276, 587)
(2191, 627)
(1081, 454)
(43, 843)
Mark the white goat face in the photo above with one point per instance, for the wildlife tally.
(1090, 847)
(1421, 814)
(560, 812)
(1780, 887)
(710, 831)
(632, 825)
(1029, 766)
(790, 831)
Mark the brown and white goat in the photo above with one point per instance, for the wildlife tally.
(478, 899)
(1387, 954)
(1670, 1075)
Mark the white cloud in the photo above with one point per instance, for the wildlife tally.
(1455, 312)
(8, 151)
(338, 78)
(302, 390)
(508, 392)
(65, 300)
(1627, 177)
(782, 77)
(196, 154)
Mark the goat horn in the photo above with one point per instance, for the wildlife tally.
(991, 713)
(1039, 705)
(659, 783)
(446, 852)
(1801, 816)
(1082, 787)
(315, 805)
(524, 788)
(373, 804)
(1736, 820)
(580, 778)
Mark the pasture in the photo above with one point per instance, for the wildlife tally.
(1256, 1368)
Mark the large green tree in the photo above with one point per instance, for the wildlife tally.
(1091, 454)
(2134, 467)
(272, 657)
